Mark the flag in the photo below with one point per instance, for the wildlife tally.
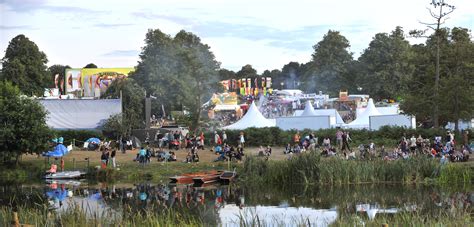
(256, 90)
(56, 80)
(263, 82)
(269, 82)
(242, 91)
(249, 82)
(255, 82)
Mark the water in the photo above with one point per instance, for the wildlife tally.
(228, 205)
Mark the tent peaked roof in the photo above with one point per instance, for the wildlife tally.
(363, 119)
(253, 118)
(308, 109)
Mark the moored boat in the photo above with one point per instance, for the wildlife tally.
(187, 178)
(65, 175)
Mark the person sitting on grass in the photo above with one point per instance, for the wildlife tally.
(268, 151)
(142, 155)
(172, 157)
(221, 157)
(261, 151)
(287, 149)
(217, 150)
(53, 169)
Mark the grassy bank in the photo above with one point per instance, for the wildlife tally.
(312, 169)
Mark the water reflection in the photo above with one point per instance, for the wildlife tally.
(230, 205)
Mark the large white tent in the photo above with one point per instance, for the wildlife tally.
(363, 120)
(253, 118)
(308, 109)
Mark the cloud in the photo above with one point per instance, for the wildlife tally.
(103, 25)
(25, 6)
(15, 27)
(153, 16)
(122, 53)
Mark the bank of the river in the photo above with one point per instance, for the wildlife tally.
(301, 169)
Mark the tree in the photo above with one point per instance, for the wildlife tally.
(440, 17)
(456, 66)
(291, 73)
(247, 71)
(385, 65)
(199, 73)
(59, 70)
(90, 66)
(181, 72)
(23, 123)
(225, 74)
(25, 66)
(132, 100)
(328, 69)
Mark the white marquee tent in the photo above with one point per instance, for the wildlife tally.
(363, 120)
(308, 109)
(253, 118)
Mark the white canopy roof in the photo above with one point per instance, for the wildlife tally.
(253, 118)
(363, 120)
(323, 112)
(226, 107)
(308, 109)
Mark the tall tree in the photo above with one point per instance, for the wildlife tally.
(328, 70)
(439, 13)
(199, 73)
(247, 71)
(90, 66)
(25, 66)
(181, 72)
(455, 99)
(385, 65)
(23, 123)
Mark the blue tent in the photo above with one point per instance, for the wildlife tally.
(93, 140)
(58, 151)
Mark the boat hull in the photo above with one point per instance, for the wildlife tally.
(65, 175)
(187, 178)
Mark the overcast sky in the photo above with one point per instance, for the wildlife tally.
(265, 34)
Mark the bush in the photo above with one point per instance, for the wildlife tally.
(78, 135)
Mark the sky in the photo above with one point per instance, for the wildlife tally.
(264, 33)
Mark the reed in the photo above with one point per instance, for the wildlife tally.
(310, 169)
(80, 216)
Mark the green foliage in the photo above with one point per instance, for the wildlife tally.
(181, 71)
(247, 71)
(25, 66)
(133, 107)
(456, 78)
(328, 70)
(386, 65)
(90, 66)
(77, 135)
(23, 123)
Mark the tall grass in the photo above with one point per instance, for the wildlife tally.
(77, 216)
(309, 168)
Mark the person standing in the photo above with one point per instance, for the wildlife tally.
(242, 139)
(413, 144)
(112, 155)
(339, 138)
(224, 137)
(201, 138)
(345, 143)
(217, 138)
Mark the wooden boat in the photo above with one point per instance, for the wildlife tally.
(209, 178)
(65, 175)
(228, 176)
(187, 178)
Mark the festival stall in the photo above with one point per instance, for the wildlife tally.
(253, 118)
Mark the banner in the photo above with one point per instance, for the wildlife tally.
(99, 79)
(249, 82)
(73, 81)
(269, 82)
(56, 78)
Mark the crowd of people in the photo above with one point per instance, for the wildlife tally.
(445, 149)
